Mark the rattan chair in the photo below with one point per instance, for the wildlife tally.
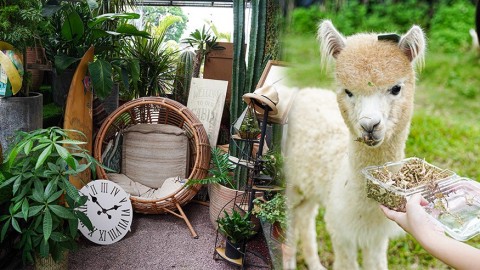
(158, 110)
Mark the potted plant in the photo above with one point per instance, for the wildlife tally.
(20, 25)
(77, 25)
(273, 211)
(43, 205)
(236, 229)
(249, 129)
(222, 189)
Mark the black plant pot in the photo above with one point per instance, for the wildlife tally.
(232, 251)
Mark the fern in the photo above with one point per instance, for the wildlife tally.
(219, 170)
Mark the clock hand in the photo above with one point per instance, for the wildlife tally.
(95, 200)
(115, 207)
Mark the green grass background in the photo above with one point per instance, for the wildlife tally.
(444, 129)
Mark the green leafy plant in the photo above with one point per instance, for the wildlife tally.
(156, 66)
(235, 227)
(272, 211)
(203, 42)
(249, 129)
(273, 166)
(220, 168)
(42, 209)
(77, 25)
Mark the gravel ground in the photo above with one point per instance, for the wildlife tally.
(164, 242)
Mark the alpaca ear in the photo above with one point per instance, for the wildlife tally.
(331, 41)
(413, 44)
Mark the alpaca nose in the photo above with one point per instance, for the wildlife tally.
(369, 124)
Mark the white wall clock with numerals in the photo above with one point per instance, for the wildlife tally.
(109, 209)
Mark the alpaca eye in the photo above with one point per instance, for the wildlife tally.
(395, 90)
(349, 94)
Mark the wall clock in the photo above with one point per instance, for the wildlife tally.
(109, 209)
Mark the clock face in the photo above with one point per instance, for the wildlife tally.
(109, 209)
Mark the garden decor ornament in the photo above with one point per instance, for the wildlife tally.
(266, 95)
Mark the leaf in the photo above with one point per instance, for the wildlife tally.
(101, 74)
(9, 181)
(25, 209)
(69, 141)
(131, 30)
(35, 210)
(55, 196)
(84, 219)
(73, 226)
(43, 156)
(16, 185)
(51, 186)
(65, 155)
(58, 237)
(72, 28)
(47, 224)
(61, 211)
(62, 62)
(44, 248)
(28, 146)
(72, 191)
(4, 229)
(16, 226)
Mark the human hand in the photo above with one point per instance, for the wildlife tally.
(415, 220)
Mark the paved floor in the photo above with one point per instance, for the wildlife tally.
(163, 242)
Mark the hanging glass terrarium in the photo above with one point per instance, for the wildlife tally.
(249, 129)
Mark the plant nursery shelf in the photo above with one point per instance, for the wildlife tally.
(241, 162)
(221, 252)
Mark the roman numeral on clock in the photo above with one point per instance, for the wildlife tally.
(123, 224)
(103, 235)
(93, 189)
(125, 212)
(104, 188)
(114, 233)
(83, 208)
(115, 191)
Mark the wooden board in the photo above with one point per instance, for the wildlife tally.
(78, 112)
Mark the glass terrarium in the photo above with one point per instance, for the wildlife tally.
(393, 183)
(456, 208)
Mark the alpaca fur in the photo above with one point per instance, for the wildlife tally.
(324, 157)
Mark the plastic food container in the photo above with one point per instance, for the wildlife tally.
(382, 187)
(456, 208)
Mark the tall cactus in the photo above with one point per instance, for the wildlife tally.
(256, 49)
(239, 65)
(183, 76)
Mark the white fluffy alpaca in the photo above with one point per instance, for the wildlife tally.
(332, 137)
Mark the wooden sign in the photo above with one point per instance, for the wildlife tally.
(206, 99)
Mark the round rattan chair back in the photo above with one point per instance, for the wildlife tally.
(158, 110)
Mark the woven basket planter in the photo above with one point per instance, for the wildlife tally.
(49, 263)
(221, 198)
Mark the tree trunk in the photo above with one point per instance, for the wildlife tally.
(198, 63)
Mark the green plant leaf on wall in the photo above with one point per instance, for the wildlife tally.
(101, 76)
(73, 28)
